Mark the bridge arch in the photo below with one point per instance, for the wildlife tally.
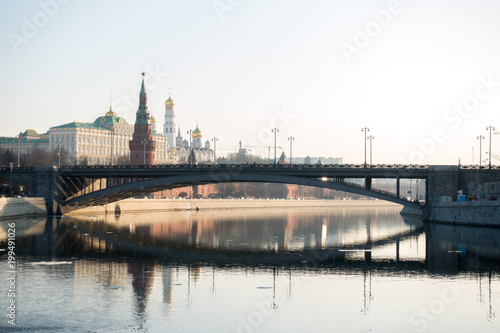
(124, 191)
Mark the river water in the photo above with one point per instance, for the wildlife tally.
(266, 270)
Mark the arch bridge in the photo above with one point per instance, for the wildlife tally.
(74, 187)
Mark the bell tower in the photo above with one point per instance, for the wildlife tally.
(169, 123)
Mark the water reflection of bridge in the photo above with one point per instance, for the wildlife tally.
(320, 241)
(186, 249)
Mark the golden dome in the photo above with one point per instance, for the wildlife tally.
(197, 133)
(169, 102)
(110, 113)
(152, 119)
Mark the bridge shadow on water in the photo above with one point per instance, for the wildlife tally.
(334, 239)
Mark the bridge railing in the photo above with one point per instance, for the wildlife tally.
(482, 167)
(7, 168)
(252, 165)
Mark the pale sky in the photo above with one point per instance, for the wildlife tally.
(318, 70)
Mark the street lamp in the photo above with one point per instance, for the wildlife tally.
(291, 138)
(365, 129)
(214, 139)
(18, 147)
(11, 167)
(371, 137)
(59, 153)
(490, 128)
(190, 132)
(481, 138)
(275, 131)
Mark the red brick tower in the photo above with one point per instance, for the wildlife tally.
(142, 146)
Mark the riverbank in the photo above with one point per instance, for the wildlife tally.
(159, 205)
(479, 213)
(21, 207)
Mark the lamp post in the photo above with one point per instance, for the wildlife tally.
(371, 137)
(18, 147)
(214, 139)
(480, 138)
(59, 154)
(190, 132)
(11, 167)
(490, 128)
(365, 129)
(275, 131)
(291, 138)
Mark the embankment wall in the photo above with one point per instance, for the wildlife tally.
(149, 205)
(484, 213)
(19, 207)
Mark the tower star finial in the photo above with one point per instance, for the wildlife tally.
(143, 73)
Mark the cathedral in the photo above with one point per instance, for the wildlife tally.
(181, 148)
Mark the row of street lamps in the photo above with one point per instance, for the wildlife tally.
(481, 138)
(290, 138)
(274, 130)
(366, 138)
(365, 131)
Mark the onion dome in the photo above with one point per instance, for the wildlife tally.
(169, 103)
(197, 133)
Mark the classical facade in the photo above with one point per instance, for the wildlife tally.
(25, 142)
(142, 146)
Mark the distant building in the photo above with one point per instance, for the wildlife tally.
(102, 142)
(142, 146)
(202, 152)
(25, 142)
(318, 160)
(282, 160)
(169, 127)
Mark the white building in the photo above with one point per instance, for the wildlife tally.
(102, 142)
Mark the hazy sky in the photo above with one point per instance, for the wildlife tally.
(424, 76)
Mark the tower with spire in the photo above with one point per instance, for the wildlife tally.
(169, 124)
(142, 146)
(178, 139)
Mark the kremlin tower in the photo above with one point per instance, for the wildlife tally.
(142, 146)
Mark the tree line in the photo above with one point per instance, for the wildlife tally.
(34, 157)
